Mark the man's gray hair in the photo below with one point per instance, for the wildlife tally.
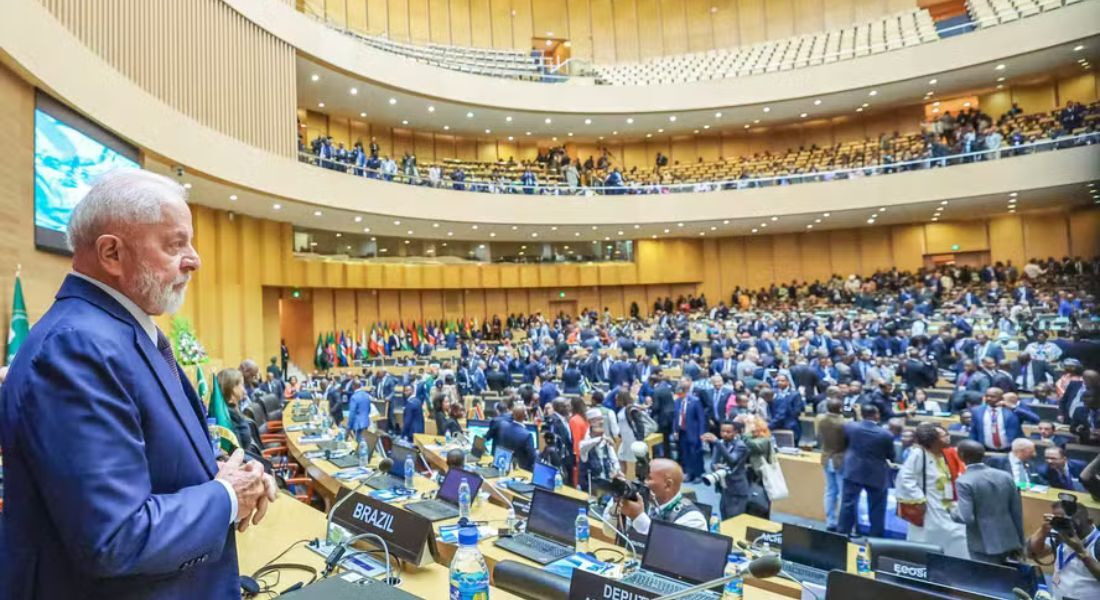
(130, 196)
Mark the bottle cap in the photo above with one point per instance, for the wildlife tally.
(467, 536)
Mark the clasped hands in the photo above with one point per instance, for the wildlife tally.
(254, 488)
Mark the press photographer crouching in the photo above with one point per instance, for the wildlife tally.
(1075, 543)
(728, 468)
(660, 500)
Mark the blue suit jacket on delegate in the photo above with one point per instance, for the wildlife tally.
(359, 408)
(869, 447)
(412, 422)
(109, 489)
(1012, 419)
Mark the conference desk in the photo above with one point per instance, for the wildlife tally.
(806, 482)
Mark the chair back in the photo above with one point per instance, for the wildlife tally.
(529, 582)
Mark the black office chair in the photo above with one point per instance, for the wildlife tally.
(529, 582)
(273, 405)
(913, 552)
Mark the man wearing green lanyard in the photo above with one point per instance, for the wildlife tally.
(668, 503)
(1073, 538)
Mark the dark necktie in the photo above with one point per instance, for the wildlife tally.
(165, 348)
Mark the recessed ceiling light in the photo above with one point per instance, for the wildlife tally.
(1000, 86)
(755, 230)
(431, 108)
(936, 103)
(763, 224)
(601, 137)
(717, 115)
(702, 233)
(1012, 210)
(508, 119)
(865, 105)
(469, 115)
(775, 218)
(358, 219)
(353, 91)
(553, 228)
(872, 93)
(630, 120)
(339, 235)
(527, 133)
(666, 231)
(620, 233)
(276, 206)
(576, 234)
(1077, 48)
(488, 131)
(672, 118)
(1000, 67)
(659, 130)
(966, 104)
(232, 196)
(767, 109)
(397, 222)
(367, 230)
(826, 215)
(871, 221)
(1000, 79)
(446, 128)
(817, 220)
(510, 138)
(404, 121)
(860, 109)
(637, 227)
(363, 114)
(614, 133)
(595, 227)
(314, 77)
(492, 234)
(588, 121)
(555, 138)
(450, 233)
(679, 224)
(607, 239)
(320, 105)
(755, 121)
(747, 125)
(726, 222)
(933, 81)
(817, 102)
(803, 115)
(706, 126)
(393, 101)
(654, 236)
(944, 203)
(810, 226)
(713, 228)
(649, 135)
(548, 120)
(534, 235)
(934, 219)
(316, 213)
(473, 227)
(882, 209)
(570, 134)
(696, 131)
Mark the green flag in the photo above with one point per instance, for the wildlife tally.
(219, 411)
(200, 383)
(19, 326)
(319, 353)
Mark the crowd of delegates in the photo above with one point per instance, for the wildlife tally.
(964, 137)
(862, 354)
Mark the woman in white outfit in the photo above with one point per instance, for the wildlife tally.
(926, 479)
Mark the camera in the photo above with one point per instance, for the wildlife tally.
(716, 478)
(618, 488)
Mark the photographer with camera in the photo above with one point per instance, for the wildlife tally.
(1073, 538)
(728, 468)
(660, 500)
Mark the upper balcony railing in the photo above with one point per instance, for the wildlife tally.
(508, 186)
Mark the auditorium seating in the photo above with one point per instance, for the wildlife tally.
(988, 13)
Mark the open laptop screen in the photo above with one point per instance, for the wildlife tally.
(814, 548)
(543, 476)
(685, 553)
(448, 491)
(554, 516)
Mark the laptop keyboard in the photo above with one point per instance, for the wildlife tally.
(661, 585)
(433, 510)
(535, 548)
(382, 482)
(805, 573)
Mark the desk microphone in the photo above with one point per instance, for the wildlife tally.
(384, 466)
(629, 543)
(760, 568)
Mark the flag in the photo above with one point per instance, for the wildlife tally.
(19, 327)
(219, 411)
(200, 383)
(319, 354)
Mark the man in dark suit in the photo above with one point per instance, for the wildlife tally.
(1027, 373)
(786, 408)
(1061, 472)
(970, 384)
(731, 454)
(511, 434)
(691, 424)
(1020, 462)
(996, 423)
(412, 420)
(111, 485)
(990, 507)
(664, 412)
(866, 469)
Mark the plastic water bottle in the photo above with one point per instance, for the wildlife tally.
(447, 437)
(581, 529)
(363, 454)
(734, 589)
(340, 435)
(410, 469)
(558, 483)
(464, 499)
(511, 521)
(715, 522)
(212, 431)
(469, 575)
(312, 411)
(863, 564)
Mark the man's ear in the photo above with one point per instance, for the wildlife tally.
(108, 253)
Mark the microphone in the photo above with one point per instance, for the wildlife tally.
(385, 465)
(332, 511)
(640, 450)
(337, 555)
(760, 568)
(629, 543)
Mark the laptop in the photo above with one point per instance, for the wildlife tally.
(928, 586)
(976, 576)
(685, 557)
(542, 478)
(849, 586)
(445, 503)
(476, 428)
(502, 461)
(809, 554)
(478, 448)
(550, 534)
(396, 477)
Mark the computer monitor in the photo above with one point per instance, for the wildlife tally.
(543, 476)
(554, 515)
(684, 553)
(849, 586)
(976, 576)
(502, 459)
(814, 548)
(371, 440)
(399, 454)
(448, 490)
(477, 427)
(478, 448)
(936, 588)
(533, 431)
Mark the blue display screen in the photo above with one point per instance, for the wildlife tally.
(67, 161)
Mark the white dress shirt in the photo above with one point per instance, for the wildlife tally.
(150, 328)
(987, 429)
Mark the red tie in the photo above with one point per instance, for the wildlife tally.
(683, 413)
(996, 429)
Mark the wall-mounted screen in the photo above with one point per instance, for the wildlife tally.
(70, 152)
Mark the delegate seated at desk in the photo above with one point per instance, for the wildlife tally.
(664, 483)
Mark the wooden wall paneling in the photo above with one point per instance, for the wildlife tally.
(461, 30)
(500, 23)
(637, 294)
(410, 306)
(603, 27)
(726, 34)
(787, 257)
(420, 28)
(490, 278)
(357, 16)
(389, 306)
(580, 28)
(530, 276)
(625, 29)
(374, 276)
(509, 275)
(908, 246)
(838, 14)
(336, 13)
(487, 151)
(1083, 240)
(589, 275)
(475, 304)
(682, 149)
(516, 301)
(588, 298)
(523, 25)
(780, 19)
(208, 323)
(431, 276)
(809, 16)
(650, 42)
(384, 136)
(550, 17)
(751, 22)
(673, 27)
(875, 249)
(413, 276)
(815, 261)
(569, 275)
(480, 26)
(324, 315)
(424, 149)
(612, 299)
(454, 304)
(1046, 235)
(315, 273)
(1006, 239)
(346, 312)
(496, 303)
(296, 326)
(708, 148)
(759, 257)
(270, 333)
(1034, 98)
(465, 148)
(402, 143)
(398, 15)
(968, 236)
(655, 293)
(712, 270)
(843, 253)
(731, 257)
(1081, 88)
(431, 305)
(439, 26)
(366, 307)
(251, 290)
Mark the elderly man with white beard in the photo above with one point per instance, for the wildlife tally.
(112, 487)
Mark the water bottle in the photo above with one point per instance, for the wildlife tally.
(863, 564)
(447, 437)
(1023, 481)
(581, 529)
(464, 499)
(511, 520)
(734, 589)
(312, 411)
(469, 575)
(558, 483)
(715, 522)
(340, 435)
(212, 431)
(410, 469)
(363, 454)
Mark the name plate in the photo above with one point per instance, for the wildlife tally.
(405, 533)
(590, 586)
(902, 568)
(754, 535)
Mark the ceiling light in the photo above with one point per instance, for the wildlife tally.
(717, 115)
(353, 91)
(620, 233)
(450, 233)
(654, 236)
(588, 121)
(362, 115)
(934, 219)
(936, 103)
(435, 225)
(1000, 79)
(659, 130)
(1077, 48)
(534, 235)
(755, 230)
(594, 228)
(944, 203)
(492, 234)
(555, 138)
(702, 233)
(446, 128)
(871, 221)
(826, 215)
(696, 131)
(933, 81)
(576, 234)
(473, 227)
(872, 93)
(397, 222)
(553, 228)
(358, 219)
(763, 224)
(817, 102)
(630, 120)
(1000, 86)
(706, 126)
(316, 213)
(409, 232)
(607, 239)
(548, 120)
(527, 133)
(431, 109)
(775, 218)
(672, 118)
(614, 133)
(755, 121)
(966, 104)
(1012, 210)
(666, 230)
(469, 115)
(481, 246)
(233, 197)
(726, 222)
(1013, 194)
(508, 119)
(367, 230)
(649, 135)
(1000, 67)
(860, 109)
(320, 105)
(817, 220)
(803, 115)
(510, 138)
(276, 206)
(747, 125)
(679, 224)
(570, 134)
(865, 105)
(314, 77)
(810, 226)
(713, 228)
(488, 131)
(404, 121)
(882, 209)
(339, 235)
(393, 101)
(637, 227)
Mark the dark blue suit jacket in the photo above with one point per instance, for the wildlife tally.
(1012, 418)
(412, 422)
(515, 437)
(109, 489)
(869, 447)
(1058, 480)
(785, 410)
